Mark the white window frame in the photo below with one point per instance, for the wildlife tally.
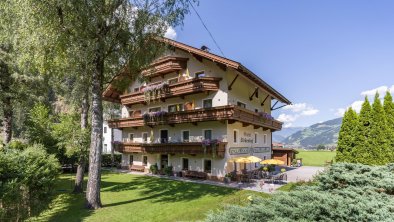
(256, 136)
(142, 137)
(203, 165)
(265, 139)
(188, 167)
(105, 130)
(206, 100)
(236, 139)
(183, 139)
(128, 138)
(168, 106)
(142, 160)
(203, 133)
(239, 101)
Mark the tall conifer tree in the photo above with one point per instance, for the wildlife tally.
(378, 141)
(347, 134)
(388, 106)
(361, 150)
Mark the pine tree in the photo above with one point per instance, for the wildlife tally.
(378, 141)
(388, 106)
(347, 134)
(360, 153)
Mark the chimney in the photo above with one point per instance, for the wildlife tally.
(205, 48)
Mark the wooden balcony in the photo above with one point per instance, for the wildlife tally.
(190, 148)
(182, 88)
(231, 113)
(165, 65)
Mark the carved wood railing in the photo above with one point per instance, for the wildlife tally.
(182, 88)
(190, 148)
(230, 113)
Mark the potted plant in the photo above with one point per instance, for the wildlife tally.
(227, 178)
(154, 169)
(168, 170)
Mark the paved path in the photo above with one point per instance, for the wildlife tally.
(304, 173)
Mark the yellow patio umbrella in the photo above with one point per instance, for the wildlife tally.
(273, 162)
(249, 159)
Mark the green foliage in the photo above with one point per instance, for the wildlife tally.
(169, 170)
(17, 145)
(388, 106)
(39, 127)
(346, 140)
(321, 147)
(107, 160)
(71, 136)
(346, 192)
(154, 169)
(26, 180)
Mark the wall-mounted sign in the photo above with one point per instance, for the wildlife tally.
(248, 150)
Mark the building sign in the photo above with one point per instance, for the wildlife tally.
(247, 138)
(248, 150)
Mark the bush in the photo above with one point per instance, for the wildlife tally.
(26, 180)
(168, 170)
(345, 192)
(154, 169)
(107, 161)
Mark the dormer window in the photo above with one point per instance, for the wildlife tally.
(200, 74)
(242, 105)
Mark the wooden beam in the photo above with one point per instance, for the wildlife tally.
(279, 107)
(231, 121)
(194, 123)
(222, 66)
(199, 58)
(256, 127)
(272, 108)
(262, 104)
(256, 91)
(232, 82)
(245, 124)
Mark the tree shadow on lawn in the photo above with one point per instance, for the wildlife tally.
(65, 206)
(164, 190)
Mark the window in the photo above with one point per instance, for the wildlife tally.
(156, 109)
(200, 74)
(131, 137)
(185, 164)
(207, 103)
(185, 136)
(163, 136)
(144, 137)
(175, 108)
(256, 110)
(241, 104)
(207, 134)
(136, 89)
(235, 136)
(144, 160)
(255, 137)
(207, 166)
(105, 148)
(131, 159)
(265, 139)
(105, 129)
(172, 81)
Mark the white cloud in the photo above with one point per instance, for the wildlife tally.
(381, 90)
(287, 118)
(340, 112)
(309, 112)
(287, 125)
(170, 33)
(356, 106)
(298, 107)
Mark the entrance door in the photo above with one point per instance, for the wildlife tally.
(163, 136)
(163, 161)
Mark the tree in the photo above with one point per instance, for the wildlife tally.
(76, 141)
(378, 141)
(321, 147)
(388, 106)
(347, 135)
(114, 34)
(361, 150)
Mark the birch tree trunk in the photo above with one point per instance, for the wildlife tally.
(93, 188)
(78, 187)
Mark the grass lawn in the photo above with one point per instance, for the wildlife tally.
(315, 158)
(128, 197)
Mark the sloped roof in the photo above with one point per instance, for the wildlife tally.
(110, 93)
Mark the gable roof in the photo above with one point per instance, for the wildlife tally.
(110, 95)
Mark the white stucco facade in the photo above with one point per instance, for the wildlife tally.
(107, 137)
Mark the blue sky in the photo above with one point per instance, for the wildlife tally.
(322, 55)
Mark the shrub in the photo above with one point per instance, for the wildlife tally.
(168, 170)
(154, 169)
(26, 180)
(345, 192)
(107, 160)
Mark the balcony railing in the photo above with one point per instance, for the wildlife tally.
(182, 88)
(190, 148)
(165, 65)
(230, 112)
